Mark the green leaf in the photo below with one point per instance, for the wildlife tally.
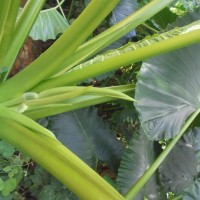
(9, 186)
(168, 91)
(192, 192)
(196, 146)
(110, 181)
(179, 173)
(6, 149)
(164, 17)
(43, 185)
(47, 192)
(179, 169)
(136, 159)
(7, 169)
(48, 25)
(1, 184)
(171, 88)
(83, 132)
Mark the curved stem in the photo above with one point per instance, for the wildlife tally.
(150, 28)
(59, 161)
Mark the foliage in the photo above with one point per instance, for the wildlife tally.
(13, 167)
(51, 86)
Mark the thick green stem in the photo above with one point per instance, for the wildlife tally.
(59, 161)
(114, 33)
(5, 7)
(22, 29)
(50, 61)
(147, 175)
(121, 60)
(8, 27)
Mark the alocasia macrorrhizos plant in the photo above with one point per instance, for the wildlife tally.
(46, 86)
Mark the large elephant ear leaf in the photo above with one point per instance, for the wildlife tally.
(168, 91)
(136, 159)
(168, 88)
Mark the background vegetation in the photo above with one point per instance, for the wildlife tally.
(108, 136)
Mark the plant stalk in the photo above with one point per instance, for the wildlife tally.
(22, 28)
(115, 32)
(50, 61)
(118, 61)
(59, 161)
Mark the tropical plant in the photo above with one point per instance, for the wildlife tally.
(49, 86)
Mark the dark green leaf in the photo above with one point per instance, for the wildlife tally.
(88, 136)
(193, 191)
(6, 149)
(135, 161)
(164, 17)
(47, 192)
(179, 169)
(110, 181)
(196, 146)
(168, 91)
